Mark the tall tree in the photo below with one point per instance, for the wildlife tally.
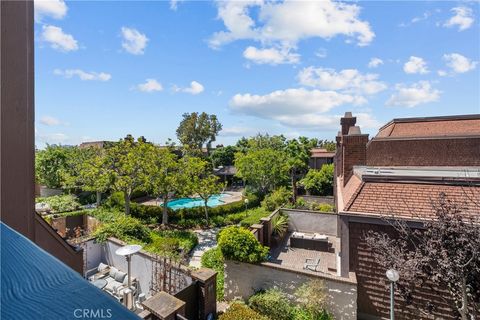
(327, 144)
(223, 156)
(263, 169)
(319, 182)
(201, 181)
(196, 130)
(123, 166)
(298, 155)
(51, 162)
(163, 176)
(445, 251)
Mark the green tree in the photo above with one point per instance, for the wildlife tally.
(328, 145)
(201, 181)
(298, 155)
(50, 163)
(195, 130)
(261, 141)
(319, 182)
(84, 171)
(223, 156)
(263, 169)
(162, 176)
(123, 166)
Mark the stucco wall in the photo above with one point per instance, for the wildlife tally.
(243, 279)
(307, 221)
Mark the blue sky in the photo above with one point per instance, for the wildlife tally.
(104, 69)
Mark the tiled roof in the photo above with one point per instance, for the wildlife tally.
(410, 199)
(321, 153)
(428, 127)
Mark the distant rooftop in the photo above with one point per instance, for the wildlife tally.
(321, 153)
(461, 125)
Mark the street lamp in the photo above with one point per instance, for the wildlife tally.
(246, 203)
(393, 276)
(127, 252)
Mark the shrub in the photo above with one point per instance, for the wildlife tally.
(253, 216)
(272, 303)
(311, 296)
(238, 243)
(280, 225)
(319, 182)
(239, 311)
(187, 240)
(106, 215)
(125, 228)
(213, 259)
(277, 198)
(325, 207)
(61, 203)
(299, 313)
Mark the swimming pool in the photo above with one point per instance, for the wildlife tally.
(213, 201)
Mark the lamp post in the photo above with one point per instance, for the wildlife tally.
(246, 203)
(127, 251)
(393, 276)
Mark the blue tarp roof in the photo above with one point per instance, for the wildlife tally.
(36, 285)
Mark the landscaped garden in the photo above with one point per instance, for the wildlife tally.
(105, 183)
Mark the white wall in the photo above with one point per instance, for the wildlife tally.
(243, 279)
(308, 221)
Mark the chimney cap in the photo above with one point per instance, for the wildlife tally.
(354, 130)
(348, 114)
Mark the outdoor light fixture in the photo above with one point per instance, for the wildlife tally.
(127, 252)
(246, 203)
(393, 276)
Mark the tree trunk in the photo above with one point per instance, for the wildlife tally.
(294, 188)
(127, 202)
(464, 309)
(99, 198)
(206, 209)
(165, 211)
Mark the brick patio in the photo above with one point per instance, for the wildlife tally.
(294, 258)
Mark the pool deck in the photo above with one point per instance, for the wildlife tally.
(235, 196)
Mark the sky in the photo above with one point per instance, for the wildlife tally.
(105, 69)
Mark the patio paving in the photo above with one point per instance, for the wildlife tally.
(207, 239)
(294, 258)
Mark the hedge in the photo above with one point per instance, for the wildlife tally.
(153, 214)
(239, 311)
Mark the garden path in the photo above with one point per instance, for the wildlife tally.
(207, 239)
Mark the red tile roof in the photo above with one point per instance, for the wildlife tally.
(410, 199)
(321, 153)
(435, 126)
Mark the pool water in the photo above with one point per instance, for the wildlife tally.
(213, 201)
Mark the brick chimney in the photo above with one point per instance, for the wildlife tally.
(347, 121)
(354, 151)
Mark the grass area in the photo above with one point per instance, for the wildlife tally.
(253, 216)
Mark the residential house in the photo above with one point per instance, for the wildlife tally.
(406, 166)
(319, 157)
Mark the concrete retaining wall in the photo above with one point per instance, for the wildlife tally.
(309, 221)
(242, 280)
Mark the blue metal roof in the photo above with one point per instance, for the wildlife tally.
(36, 285)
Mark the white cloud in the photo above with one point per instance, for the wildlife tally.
(52, 138)
(415, 65)
(237, 131)
(349, 80)
(49, 121)
(56, 9)
(459, 63)
(463, 18)
(150, 85)
(58, 39)
(174, 4)
(285, 23)
(83, 75)
(271, 56)
(411, 96)
(195, 88)
(375, 62)
(442, 73)
(321, 53)
(286, 105)
(134, 41)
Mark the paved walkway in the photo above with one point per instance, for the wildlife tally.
(207, 239)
